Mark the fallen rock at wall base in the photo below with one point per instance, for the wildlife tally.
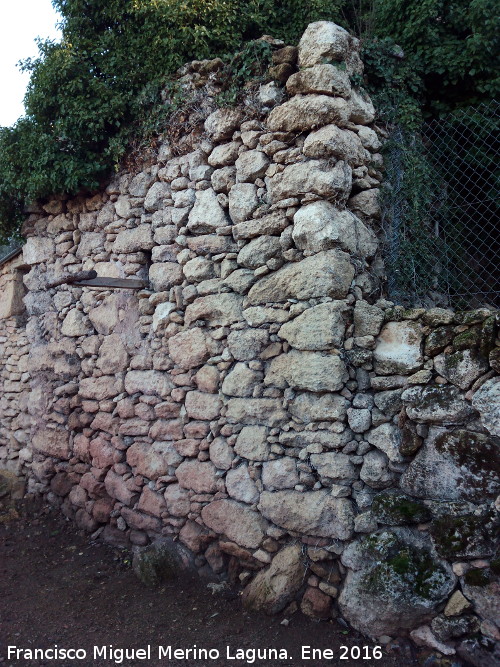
(480, 652)
(314, 513)
(304, 112)
(436, 405)
(312, 177)
(252, 411)
(318, 328)
(273, 588)
(486, 401)
(483, 590)
(397, 582)
(154, 460)
(455, 465)
(312, 371)
(328, 273)
(322, 79)
(207, 214)
(150, 383)
(399, 348)
(52, 442)
(320, 226)
(309, 407)
(161, 561)
(235, 520)
(220, 310)
(461, 368)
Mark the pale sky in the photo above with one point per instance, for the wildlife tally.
(21, 21)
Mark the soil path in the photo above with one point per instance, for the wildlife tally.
(57, 587)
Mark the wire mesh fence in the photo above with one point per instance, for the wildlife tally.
(441, 211)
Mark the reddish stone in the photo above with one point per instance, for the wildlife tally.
(101, 452)
(187, 447)
(151, 502)
(141, 521)
(102, 509)
(194, 536)
(167, 410)
(166, 430)
(316, 604)
(202, 406)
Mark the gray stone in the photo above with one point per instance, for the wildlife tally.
(148, 382)
(436, 405)
(37, 250)
(324, 79)
(133, 240)
(387, 438)
(189, 349)
(198, 269)
(240, 486)
(262, 411)
(240, 381)
(271, 224)
(362, 109)
(325, 41)
(280, 474)
(399, 348)
(461, 368)
(309, 407)
(221, 454)
(258, 251)
(252, 444)
(247, 344)
(272, 589)
(455, 466)
(314, 513)
(207, 214)
(318, 328)
(76, 324)
(486, 401)
(221, 124)
(304, 112)
(239, 523)
(359, 419)
(164, 275)
(243, 201)
(367, 319)
(156, 195)
(334, 467)
(312, 371)
(316, 177)
(218, 309)
(333, 142)
(320, 226)
(328, 273)
(251, 165)
(398, 585)
(375, 470)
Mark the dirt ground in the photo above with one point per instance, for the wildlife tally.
(57, 587)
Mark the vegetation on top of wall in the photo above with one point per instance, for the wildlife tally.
(90, 93)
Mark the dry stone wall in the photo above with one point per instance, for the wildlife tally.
(14, 376)
(261, 411)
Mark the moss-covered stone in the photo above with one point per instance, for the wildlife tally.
(468, 536)
(410, 440)
(488, 335)
(494, 359)
(472, 316)
(395, 508)
(438, 339)
(478, 577)
(159, 562)
(468, 339)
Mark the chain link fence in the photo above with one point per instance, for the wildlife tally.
(440, 211)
